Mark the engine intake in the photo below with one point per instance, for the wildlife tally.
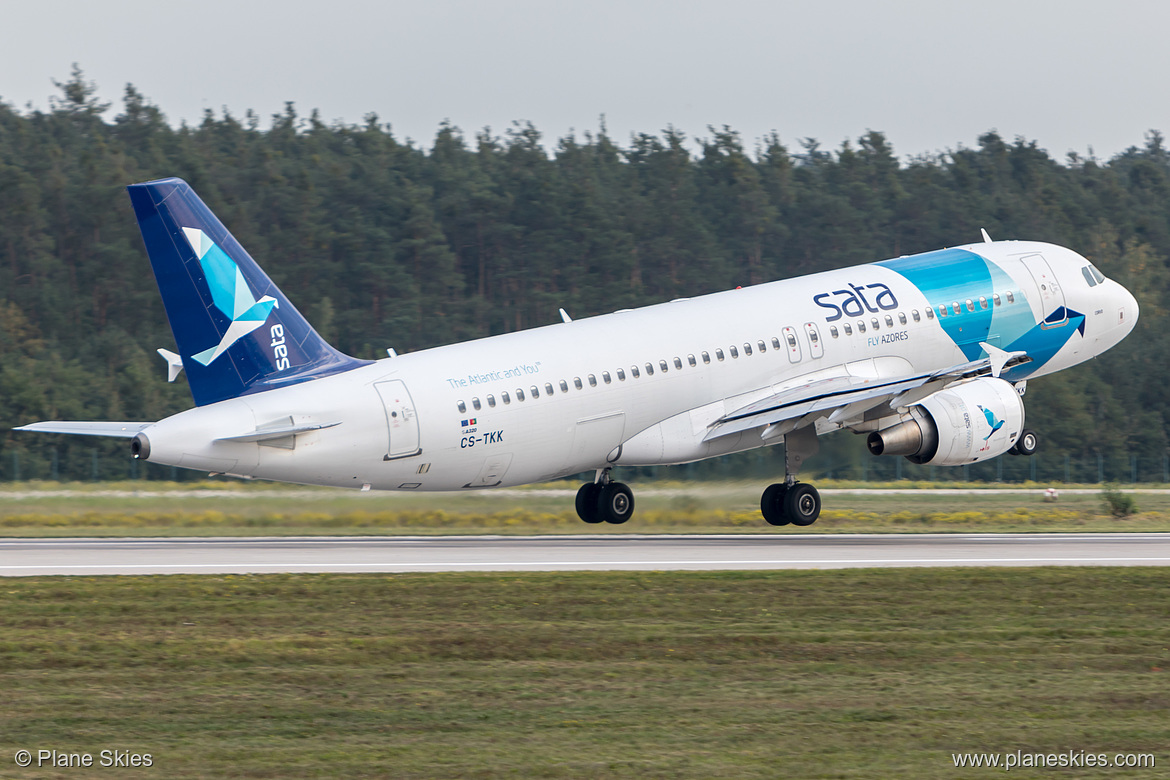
(970, 422)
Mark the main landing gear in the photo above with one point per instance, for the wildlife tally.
(1027, 444)
(605, 501)
(790, 501)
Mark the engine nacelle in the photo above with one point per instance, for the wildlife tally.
(967, 423)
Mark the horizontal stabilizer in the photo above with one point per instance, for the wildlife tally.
(278, 433)
(119, 430)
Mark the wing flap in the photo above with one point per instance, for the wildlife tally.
(841, 398)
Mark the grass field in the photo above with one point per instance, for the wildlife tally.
(844, 674)
(232, 508)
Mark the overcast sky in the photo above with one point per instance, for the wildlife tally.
(932, 75)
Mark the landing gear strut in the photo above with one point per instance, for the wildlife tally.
(605, 501)
(790, 501)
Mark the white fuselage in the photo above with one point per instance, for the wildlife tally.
(481, 414)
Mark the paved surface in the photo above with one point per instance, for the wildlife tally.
(566, 553)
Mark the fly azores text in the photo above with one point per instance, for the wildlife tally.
(856, 301)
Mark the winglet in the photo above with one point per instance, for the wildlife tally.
(174, 363)
(986, 238)
(997, 356)
(565, 316)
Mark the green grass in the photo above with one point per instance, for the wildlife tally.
(847, 674)
(232, 509)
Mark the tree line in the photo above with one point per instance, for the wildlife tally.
(384, 242)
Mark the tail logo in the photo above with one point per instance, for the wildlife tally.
(229, 293)
(994, 423)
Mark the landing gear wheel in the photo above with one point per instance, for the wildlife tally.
(772, 504)
(587, 502)
(615, 503)
(802, 504)
(1027, 444)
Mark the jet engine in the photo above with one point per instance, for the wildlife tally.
(967, 423)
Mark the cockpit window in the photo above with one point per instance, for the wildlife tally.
(1100, 277)
(1088, 276)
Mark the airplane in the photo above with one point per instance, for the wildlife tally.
(928, 355)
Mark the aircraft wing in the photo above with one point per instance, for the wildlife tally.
(120, 430)
(846, 399)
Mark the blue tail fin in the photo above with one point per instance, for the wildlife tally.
(236, 332)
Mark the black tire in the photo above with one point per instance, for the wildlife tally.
(587, 502)
(772, 504)
(1028, 443)
(615, 503)
(802, 504)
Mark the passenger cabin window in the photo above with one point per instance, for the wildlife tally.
(475, 404)
(955, 306)
(519, 394)
(462, 408)
(982, 302)
(995, 299)
(564, 386)
(760, 344)
(592, 380)
(1011, 297)
(719, 355)
(747, 349)
(775, 343)
(901, 318)
(621, 373)
(889, 321)
(663, 366)
(634, 372)
(970, 305)
(875, 323)
(929, 314)
(848, 329)
(691, 361)
(548, 388)
(942, 310)
(706, 358)
(678, 362)
(734, 352)
(535, 391)
(505, 397)
(605, 377)
(491, 399)
(577, 382)
(649, 369)
(813, 337)
(791, 339)
(861, 326)
(833, 331)
(915, 315)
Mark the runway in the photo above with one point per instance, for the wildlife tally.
(258, 555)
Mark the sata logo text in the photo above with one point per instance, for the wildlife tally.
(279, 350)
(855, 301)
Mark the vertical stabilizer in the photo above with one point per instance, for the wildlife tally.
(236, 332)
